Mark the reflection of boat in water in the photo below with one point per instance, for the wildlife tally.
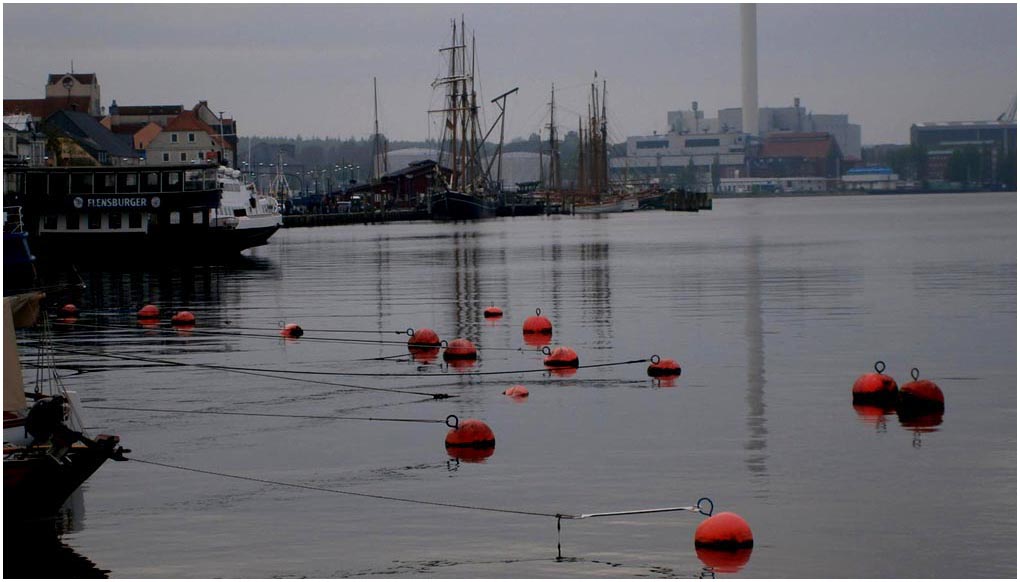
(103, 213)
(19, 263)
(47, 451)
(40, 551)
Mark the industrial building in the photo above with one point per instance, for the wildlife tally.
(981, 152)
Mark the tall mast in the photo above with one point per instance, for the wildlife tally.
(380, 163)
(582, 182)
(554, 146)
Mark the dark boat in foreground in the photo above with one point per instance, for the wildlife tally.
(451, 205)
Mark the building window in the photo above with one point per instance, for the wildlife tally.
(653, 144)
(166, 156)
(127, 183)
(184, 156)
(50, 222)
(134, 220)
(175, 217)
(81, 183)
(72, 222)
(197, 216)
(95, 221)
(152, 179)
(114, 220)
(173, 138)
(191, 138)
(701, 143)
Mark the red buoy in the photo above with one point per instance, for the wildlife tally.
(423, 337)
(723, 531)
(183, 318)
(148, 312)
(664, 367)
(493, 312)
(921, 394)
(537, 324)
(874, 387)
(292, 330)
(460, 349)
(561, 357)
(516, 392)
(69, 310)
(470, 440)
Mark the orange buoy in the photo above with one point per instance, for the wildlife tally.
(469, 440)
(724, 561)
(423, 337)
(183, 318)
(664, 367)
(921, 394)
(537, 324)
(874, 387)
(69, 310)
(561, 357)
(493, 312)
(723, 531)
(292, 330)
(516, 392)
(460, 349)
(148, 312)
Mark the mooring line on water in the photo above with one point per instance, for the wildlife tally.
(267, 414)
(559, 516)
(250, 372)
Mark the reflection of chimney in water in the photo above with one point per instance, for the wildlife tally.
(754, 330)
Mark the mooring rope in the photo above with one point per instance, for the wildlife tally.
(266, 414)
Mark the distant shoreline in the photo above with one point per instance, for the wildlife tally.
(846, 193)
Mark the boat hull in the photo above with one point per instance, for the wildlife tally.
(459, 206)
(36, 485)
(624, 205)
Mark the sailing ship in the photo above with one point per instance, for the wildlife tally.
(467, 192)
(48, 452)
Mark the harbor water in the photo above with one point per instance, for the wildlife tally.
(772, 306)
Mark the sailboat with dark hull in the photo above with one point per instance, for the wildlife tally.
(467, 192)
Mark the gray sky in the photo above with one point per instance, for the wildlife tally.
(307, 69)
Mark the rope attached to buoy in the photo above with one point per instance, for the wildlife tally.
(276, 415)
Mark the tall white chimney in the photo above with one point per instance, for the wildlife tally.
(749, 67)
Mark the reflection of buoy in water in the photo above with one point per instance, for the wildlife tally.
(664, 367)
(292, 330)
(424, 355)
(920, 395)
(183, 329)
(537, 323)
(724, 561)
(874, 387)
(68, 310)
(724, 531)
(460, 349)
(538, 339)
(923, 421)
(148, 312)
(423, 337)
(493, 312)
(871, 413)
(183, 318)
(561, 357)
(470, 440)
(516, 392)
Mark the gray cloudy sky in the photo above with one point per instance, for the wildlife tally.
(307, 69)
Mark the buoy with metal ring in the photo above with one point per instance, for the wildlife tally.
(292, 330)
(517, 392)
(663, 367)
(469, 440)
(874, 387)
(148, 312)
(460, 349)
(724, 531)
(423, 337)
(921, 394)
(561, 357)
(183, 318)
(537, 323)
(493, 312)
(69, 310)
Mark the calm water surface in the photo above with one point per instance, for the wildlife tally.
(772, 306)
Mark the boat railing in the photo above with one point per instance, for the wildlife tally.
(13, 220)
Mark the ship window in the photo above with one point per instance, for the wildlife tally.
(198, 216)
(50, 222)
(95, 221)
(72, 222)
(152, 180)
(175, 217)
(115, 220)
(134, 220)
(37, 184)
(81, 183)
(210, 179)
(59, 183)
(240, 212)
(127, 183)
(185, 218)
(193, 180)
(105, 184)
